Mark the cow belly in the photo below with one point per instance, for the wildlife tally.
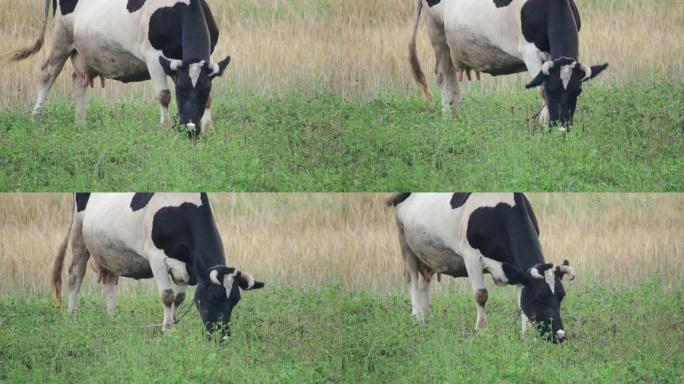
(116, 257)
(109, 58)
(472, 50)
(434, 253)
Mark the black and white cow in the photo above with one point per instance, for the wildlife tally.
(135, 40)
(463, 234)
(169, 236)
(502, 37)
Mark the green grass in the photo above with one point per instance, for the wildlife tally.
(626, 138)
(330, 335)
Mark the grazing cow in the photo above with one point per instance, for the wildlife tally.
(502, 37)
(135, 40)
(171, 237)
(465, 234)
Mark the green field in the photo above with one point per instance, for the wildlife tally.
(626, 138)
(331, 335)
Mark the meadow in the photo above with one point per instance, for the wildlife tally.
(319, 97)
(335, 309)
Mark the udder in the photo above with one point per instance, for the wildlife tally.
(98, 56)
(117, 258)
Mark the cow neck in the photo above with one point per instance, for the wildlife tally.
(196, 41)
(207, 245)
(562, 30)
(523, 241)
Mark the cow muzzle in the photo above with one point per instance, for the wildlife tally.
(559, 337)
(191, 127)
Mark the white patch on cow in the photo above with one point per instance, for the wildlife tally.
(550, 278)
(560, 334)
(194, 72)
(228, 280)
(566, 74)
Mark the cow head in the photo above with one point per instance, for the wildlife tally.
(193, 86)
(541, 296)
(562, 81)
(217, 296)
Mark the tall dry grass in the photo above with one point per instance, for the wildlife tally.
(350, 239)
(358, 47)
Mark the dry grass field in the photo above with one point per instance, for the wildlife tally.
(318, 239)
(358, 47)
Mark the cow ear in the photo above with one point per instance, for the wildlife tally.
(538, 80)
(514, 275)
(217, 69)
(595, 71)
(247, 282)
(170, 66)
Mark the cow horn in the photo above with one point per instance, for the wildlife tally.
(535, 273)
(215, 69)
(175, 64)
(213, 275)
(587, 71)
(247, 281)
(567, 269)
(547, 66)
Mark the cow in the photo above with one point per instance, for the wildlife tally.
(501, 37)
(171, 237)
(130, 41)
(464, 234)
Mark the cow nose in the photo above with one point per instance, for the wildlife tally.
(560, 336)
(191, 126)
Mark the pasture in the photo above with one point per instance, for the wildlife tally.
(335, 310)
(319, 97)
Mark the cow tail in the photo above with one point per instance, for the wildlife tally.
(23, 53)
(416, 71)
(59, 260)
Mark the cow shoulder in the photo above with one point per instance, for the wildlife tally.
(458, 199)
(82, 200)
(67, 6)
(533, 20)
(140, 200)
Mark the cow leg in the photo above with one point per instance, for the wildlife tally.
(158, 77)
(524, 320)
(475, 271)
(164, 285)
(79, 262)
(207, 124)
(533, 61)
(109, 283)
(179, 297)
(81, 93)
(59, 53)
(419, 288)
(447, 78)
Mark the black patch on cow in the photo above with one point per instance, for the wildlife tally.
(67, 6)
(81, 200)
(166, 35)
(502, 3)
(188, 233)
(134, 5)
(432, 3)
(506, 234)
(400, 198)
(140, 200)
(458, 199)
